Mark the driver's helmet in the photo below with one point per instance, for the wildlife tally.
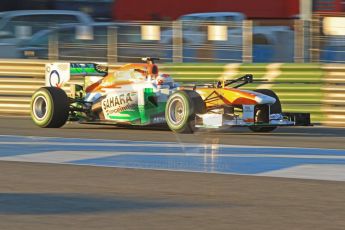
(164, 79)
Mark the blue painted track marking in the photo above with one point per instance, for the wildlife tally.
(240, 165)
(214, 158)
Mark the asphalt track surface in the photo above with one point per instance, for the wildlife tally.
(309, 137)
(50, 196)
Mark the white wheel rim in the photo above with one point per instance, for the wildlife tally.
(40, 107)
(177, 111)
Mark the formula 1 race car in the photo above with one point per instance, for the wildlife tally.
(138, 94)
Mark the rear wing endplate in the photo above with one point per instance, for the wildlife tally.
(57, 74)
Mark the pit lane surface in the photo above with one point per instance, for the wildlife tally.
(50, 196)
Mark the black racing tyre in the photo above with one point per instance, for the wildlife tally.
(262, 112)
(181, 108)
(49, 107)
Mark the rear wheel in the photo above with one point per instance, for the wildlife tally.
(49, 107)
(181, 108)
(262, 113)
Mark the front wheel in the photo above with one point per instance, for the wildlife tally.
(262, 114)
(49, 107)
(181, 108)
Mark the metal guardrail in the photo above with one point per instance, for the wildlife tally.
(312, 88)
(23, 68)
(18, 81)
(334, 101)
(297, 85)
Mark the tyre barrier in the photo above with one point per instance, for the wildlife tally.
(313, 88)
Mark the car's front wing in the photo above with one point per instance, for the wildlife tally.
(214, 120)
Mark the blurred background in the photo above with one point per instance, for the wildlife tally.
(298, 46)
(228, 31)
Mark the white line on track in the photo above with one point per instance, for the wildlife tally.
(67, 156)
(331, 172)
(58, 156)
(143, 143)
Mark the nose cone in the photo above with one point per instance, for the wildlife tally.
(264, 99)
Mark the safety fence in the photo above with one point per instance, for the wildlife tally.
(199, 39)
(327, 33)
(318, 89)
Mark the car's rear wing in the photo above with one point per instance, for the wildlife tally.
(59, 73)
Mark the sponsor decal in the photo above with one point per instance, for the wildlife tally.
(88, 69)
(248, 108)
(159, 119)
(54, 79)
(248, 113)
(116, 103)
(57, 74)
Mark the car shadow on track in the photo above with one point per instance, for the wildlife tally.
(44, 203)
(286, 132)
(281, 131)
